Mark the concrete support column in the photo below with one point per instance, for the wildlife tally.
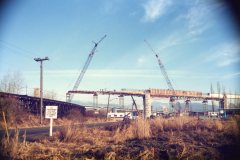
(205, 107)
(147, 105)
(187, 105)
(121, 101)
(225, 102)
(221, 104)
(95, 100)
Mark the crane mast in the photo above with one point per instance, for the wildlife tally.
(85, 67)
(163, 70)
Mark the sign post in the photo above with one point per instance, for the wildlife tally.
(51, 113)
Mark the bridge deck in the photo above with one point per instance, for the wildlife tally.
(182, 95)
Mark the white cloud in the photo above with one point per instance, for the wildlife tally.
(229, 62)
(170, 41)
(111, 6)
(108, 73)
(155, 8)
(199, 17)
(237, 74)
(144, 60)
(140, 60)
(225, 54)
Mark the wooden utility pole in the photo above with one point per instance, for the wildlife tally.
(41, 83)
(108, 104)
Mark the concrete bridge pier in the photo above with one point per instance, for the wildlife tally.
(95, 100)
(187, 105)
(205, 106)
(147, 101)
(221, 104)
(121, 101)
(225, 102)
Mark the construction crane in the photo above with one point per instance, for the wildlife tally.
(85, 67)
(134, 104)
(163, 71)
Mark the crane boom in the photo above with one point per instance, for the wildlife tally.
(135, 104)
(85, 67)
(162, 68)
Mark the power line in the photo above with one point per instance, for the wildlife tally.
(18, 49)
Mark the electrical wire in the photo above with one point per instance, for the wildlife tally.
(17, 49)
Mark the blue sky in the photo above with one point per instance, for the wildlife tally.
(196, 40)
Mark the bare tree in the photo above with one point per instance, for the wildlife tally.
(12, 109)
(50, 95)
(11, 83)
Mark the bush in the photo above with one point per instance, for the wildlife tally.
(69, 134)
(75, 115)
(12, 109)
(141, 128)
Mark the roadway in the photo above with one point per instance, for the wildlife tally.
(38, 133)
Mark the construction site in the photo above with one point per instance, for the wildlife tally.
(173, 95)
(138, 123)
(160, 81)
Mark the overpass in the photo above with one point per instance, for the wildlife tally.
(148, 94)
(161, 93)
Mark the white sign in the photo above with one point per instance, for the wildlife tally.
(51, 112)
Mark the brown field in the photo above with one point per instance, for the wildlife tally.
(173, 138)
(22, 119)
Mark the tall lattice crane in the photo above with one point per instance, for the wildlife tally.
(163, 70)
(85, 67)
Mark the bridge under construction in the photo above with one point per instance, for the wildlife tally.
(148, 94)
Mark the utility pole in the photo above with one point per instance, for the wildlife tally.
(41, 83)
(108, 104)
(211, 88)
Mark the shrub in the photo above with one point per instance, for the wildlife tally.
(69, 133)
(12, 109)
(75, 115)
(141, 128)
(12, 147)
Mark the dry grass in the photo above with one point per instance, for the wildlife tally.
(12, 148)
(191, 123)
(16, 115)
(29, 120)
(69, 134)
(141, 128)
(173, 138)
(173, 124)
